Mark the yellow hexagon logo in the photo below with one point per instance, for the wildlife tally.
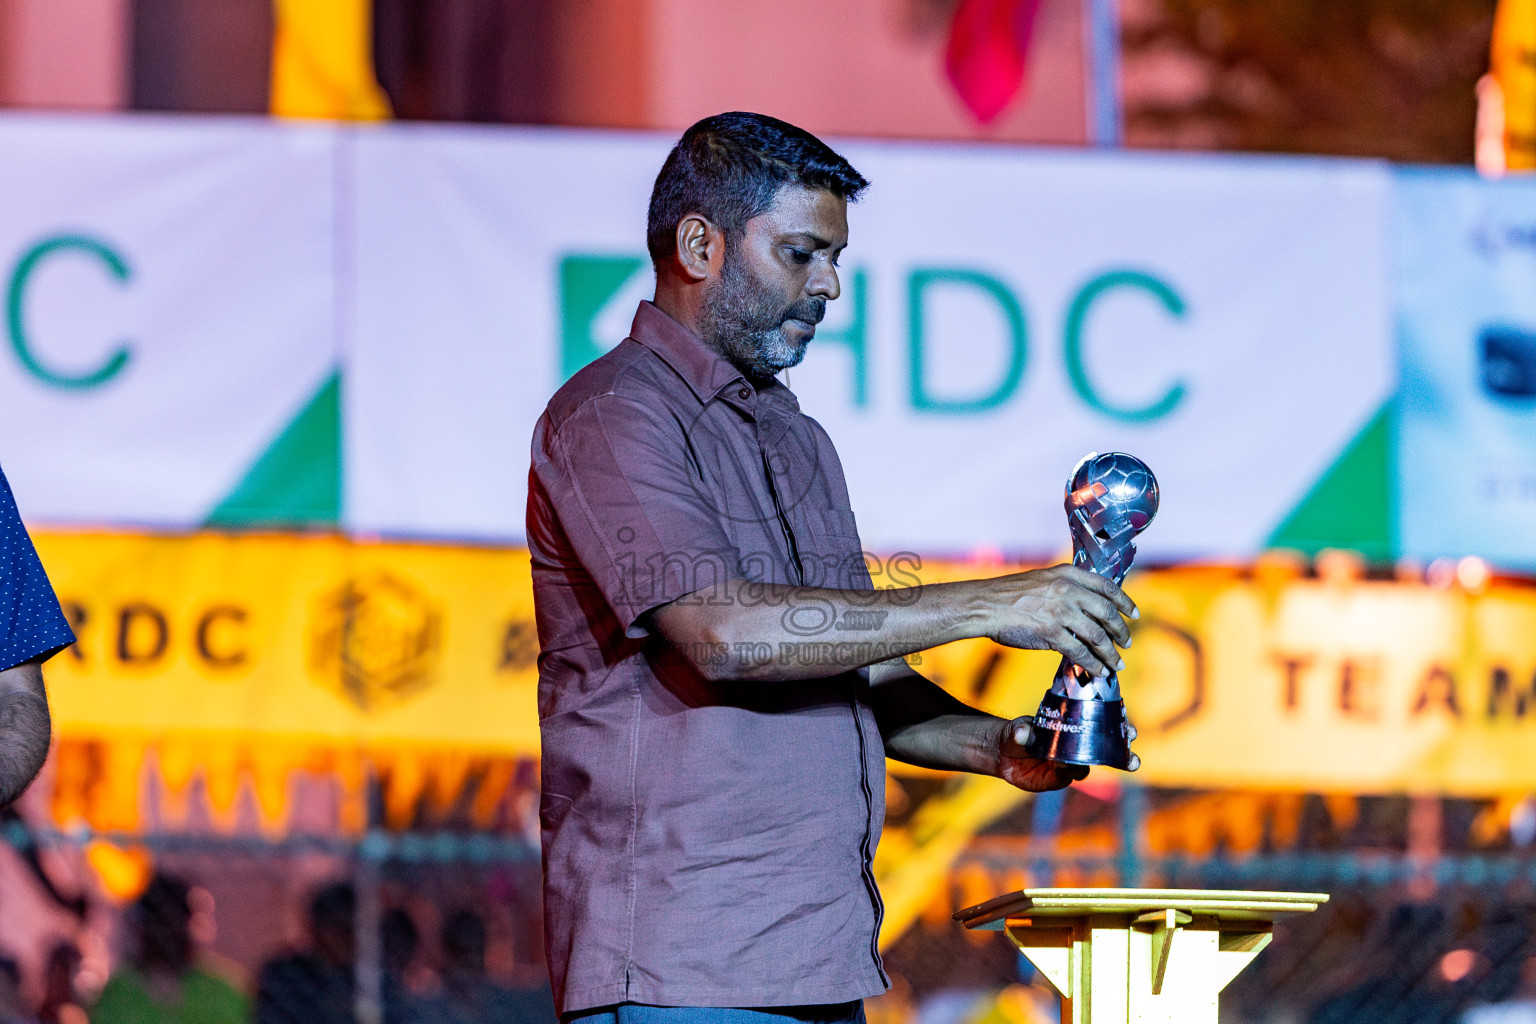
(375, 640)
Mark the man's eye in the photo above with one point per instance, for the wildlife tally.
(800, 256)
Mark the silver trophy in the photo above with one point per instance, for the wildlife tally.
(1110, 499)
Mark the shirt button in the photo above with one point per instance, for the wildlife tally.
(744, 394)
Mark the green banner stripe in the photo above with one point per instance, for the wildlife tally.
(1354, 504)
(297, 480)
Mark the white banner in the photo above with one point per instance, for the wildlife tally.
(462, 234)
(1004, 312)
(1466, 264)
(170, 307)
(204, 315)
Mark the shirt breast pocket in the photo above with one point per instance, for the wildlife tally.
(825, 527)
(830, 549)
(837, 522)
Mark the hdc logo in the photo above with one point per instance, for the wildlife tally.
(18, 328)
(598, 295)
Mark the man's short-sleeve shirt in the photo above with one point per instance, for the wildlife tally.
(31, 624)
(705, 844)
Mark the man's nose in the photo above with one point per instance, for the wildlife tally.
(824, 283)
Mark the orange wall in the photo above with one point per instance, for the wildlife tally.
(853, 67)
(858, 67)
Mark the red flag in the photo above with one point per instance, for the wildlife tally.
(988, 51)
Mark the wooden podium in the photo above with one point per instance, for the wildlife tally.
(1144, 955)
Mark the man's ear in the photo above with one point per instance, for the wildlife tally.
(700, 247)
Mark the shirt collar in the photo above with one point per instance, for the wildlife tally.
(703, 369)
(706, 372)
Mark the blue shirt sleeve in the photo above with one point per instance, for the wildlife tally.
(32, 626)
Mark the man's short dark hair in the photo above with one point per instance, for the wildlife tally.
(731, 166)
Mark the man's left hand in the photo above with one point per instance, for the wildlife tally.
(1017, 768)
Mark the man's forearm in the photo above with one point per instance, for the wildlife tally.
(771, 631)
(955, 743)
(923, 724)
(742, 630)
(25, 728)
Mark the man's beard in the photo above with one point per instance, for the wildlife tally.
(742, 319)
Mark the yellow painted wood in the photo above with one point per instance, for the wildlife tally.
(1150, 956)
(1237, 951)
(1109, 986)
(1185, 997)
(1050, 950)
(1077, 1008)
(1164, 924)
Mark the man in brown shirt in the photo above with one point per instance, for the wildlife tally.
(719, 680)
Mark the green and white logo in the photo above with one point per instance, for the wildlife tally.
(596, 293)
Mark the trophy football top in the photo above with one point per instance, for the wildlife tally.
(1110, 498)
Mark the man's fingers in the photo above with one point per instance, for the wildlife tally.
(1067, 643)
(1105, 602)
(1104, 612)
(1097, 640)
(1111, 590)
(1060, 778)
(1039, 776)
(1066, 774)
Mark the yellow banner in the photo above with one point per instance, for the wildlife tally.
(1263, 678)
(240, 659)
(1271, 679)
(304, 637)
(1348, 685)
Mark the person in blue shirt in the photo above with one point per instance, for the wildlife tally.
(32, 630)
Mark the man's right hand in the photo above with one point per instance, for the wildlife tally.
(1064, 609)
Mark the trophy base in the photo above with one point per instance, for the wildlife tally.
(1081, 732)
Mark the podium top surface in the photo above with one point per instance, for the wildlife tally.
(1223, 904)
